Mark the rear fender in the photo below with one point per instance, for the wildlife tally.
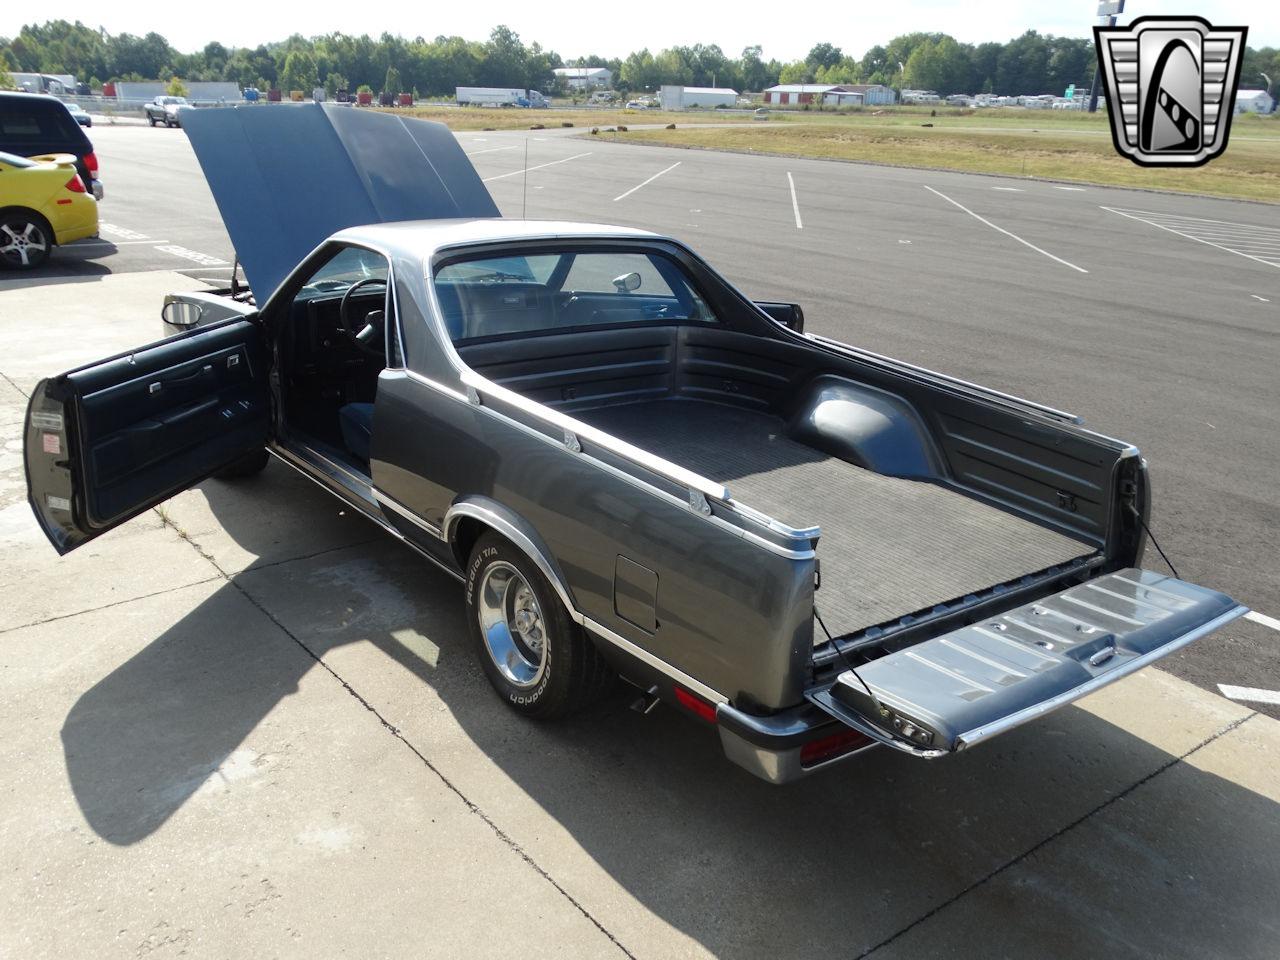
(508, 523)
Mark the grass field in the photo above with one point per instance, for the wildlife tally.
(1050, 144)
(478, 118)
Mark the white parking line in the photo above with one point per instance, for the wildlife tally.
(1074, 189)
(1256, 297)
(1263, 619)
(1253, 694)
(647, 182)
(473, 153)
(795, 204)
(1209, 232)
(122, 232)
(1025, 243)
(193, 255)
(115, 243)
(516, 173)
(1010, 189)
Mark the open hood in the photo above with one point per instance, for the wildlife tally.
(287, 177)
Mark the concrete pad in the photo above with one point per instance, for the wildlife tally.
(140, 558)
(78, 322)
(275, 516)
(187, 779)
(678, 852)
(1187, 865)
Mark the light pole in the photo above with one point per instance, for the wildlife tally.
(1107, 13)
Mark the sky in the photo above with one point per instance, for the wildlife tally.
(786, 31)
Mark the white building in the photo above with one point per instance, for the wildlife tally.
(584, 78)
(1255, 101)
(790, 94)
(674, 97)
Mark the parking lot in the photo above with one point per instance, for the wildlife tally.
(251, 723)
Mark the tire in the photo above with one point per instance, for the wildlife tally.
(561, 674)
(251, 464)
(151, 121)
(26, 240)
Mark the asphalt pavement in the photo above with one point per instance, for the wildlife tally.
(250, 724)
(1154, 316)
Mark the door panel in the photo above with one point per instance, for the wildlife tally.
(956, 690)
(110, 439)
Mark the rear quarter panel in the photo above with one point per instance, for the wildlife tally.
(728, 611)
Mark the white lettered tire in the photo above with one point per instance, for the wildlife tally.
(534, 654)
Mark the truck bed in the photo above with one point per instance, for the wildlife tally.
(889, 547)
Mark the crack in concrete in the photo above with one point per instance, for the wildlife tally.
(106, 606)
(396, 732)
(1034, 848)
(5, 378)
(254, 568)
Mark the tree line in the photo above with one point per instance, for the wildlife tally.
(1032, 63)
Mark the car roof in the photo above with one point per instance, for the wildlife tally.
(424, 238)
(20, 96)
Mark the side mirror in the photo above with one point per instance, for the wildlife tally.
(627, 282)
(790, 315)
(181, 314)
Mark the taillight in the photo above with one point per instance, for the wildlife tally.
(91, 164)
(75, 184)
(695, 705)
(830, 747)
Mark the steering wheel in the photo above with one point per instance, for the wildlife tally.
(369, 337)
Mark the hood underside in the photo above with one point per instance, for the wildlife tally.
(285, 178)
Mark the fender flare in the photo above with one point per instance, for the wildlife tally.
(519, 531)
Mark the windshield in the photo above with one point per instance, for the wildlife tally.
(509, 295)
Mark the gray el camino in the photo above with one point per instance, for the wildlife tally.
(633, 469)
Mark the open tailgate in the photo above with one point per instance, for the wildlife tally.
(953, 691)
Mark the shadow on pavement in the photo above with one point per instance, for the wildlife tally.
(833, 865)
(74, 263)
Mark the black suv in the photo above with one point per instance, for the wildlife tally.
(33, 124)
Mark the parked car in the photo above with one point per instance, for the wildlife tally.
(33, 124)
(631, 468)
(79, 114)
(43, 203)
(165, 110)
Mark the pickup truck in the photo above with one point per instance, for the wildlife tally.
(632, 468)
(165, 110)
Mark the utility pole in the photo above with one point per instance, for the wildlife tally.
(1108, 10)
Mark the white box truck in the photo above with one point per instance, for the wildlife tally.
(500, 97)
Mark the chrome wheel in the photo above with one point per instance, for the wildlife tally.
(512, 625)
(22, 242)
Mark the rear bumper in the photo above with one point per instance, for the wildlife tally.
(770, 747)
(77, 221)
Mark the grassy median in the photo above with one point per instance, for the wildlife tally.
(1049, 144)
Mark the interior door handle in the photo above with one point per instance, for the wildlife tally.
(159, 385)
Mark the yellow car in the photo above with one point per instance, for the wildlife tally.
(43, 202)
